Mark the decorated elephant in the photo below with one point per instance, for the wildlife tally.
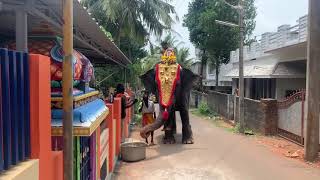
(171, 84)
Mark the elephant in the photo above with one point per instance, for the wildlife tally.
(180, 102)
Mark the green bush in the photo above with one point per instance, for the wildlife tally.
(237, 128)
(204, 109)
(138, 119)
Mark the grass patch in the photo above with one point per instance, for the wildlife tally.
(204, 109)
(247, 131)
(204, 112)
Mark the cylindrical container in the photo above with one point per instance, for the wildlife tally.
(133, 151)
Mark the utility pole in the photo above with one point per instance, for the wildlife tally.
(313, 82)
(241, 26)
(67, 90)
(241, 79)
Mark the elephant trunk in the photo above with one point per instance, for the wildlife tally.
(145, 131)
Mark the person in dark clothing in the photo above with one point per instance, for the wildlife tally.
(120, 90)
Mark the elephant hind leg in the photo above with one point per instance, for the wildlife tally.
(187, 135)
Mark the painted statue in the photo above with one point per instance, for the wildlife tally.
(171, 84)
(51, 46)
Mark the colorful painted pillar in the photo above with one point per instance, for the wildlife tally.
(110, 124)
(91, 136)
(50, 163)
(117, 117)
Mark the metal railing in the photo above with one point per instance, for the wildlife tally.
(14, 108)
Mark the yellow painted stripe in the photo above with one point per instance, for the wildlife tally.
(77, 98)
(82, 131)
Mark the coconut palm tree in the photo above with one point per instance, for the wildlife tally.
(182, 53)
(134, 18)
(183, 57)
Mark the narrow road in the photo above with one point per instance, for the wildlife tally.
(216, 155)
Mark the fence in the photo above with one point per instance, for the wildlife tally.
(196, 98)
(260, 116)
(291, 117)
(14, 108)
(221, 103)
(287, 117)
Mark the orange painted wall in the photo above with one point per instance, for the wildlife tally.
(117, 116)
(40, 110)
(127, 123)
(111, 143)
(98, 151)
(57, 165)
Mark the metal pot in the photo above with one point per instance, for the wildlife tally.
(133, 151)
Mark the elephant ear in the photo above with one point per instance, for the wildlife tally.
(188, 79)
(148, 80)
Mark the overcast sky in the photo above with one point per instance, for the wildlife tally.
(271, 14)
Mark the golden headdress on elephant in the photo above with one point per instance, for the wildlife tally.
(167, 76)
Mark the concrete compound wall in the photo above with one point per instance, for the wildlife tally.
(221, 103)
(196, 98)
(260, 116)
(290, 118)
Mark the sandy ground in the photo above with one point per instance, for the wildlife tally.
(218, 154)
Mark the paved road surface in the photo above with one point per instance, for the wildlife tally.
(216, 155)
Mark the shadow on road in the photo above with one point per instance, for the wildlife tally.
(163, 150)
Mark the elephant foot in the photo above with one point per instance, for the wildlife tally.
(174, 131)
(188, 141)
(168, 138)
(187, 135)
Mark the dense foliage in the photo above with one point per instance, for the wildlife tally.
(182, 53)
(215, 40)
(131, 23)
(135, 19)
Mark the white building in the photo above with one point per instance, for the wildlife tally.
(196, 67)
(274, 67)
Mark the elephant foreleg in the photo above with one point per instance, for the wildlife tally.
(187, 136)
(169, 137)
(170, 129)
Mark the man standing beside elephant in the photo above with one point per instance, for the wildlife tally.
(171, 84)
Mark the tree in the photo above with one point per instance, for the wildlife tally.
(182, 53)
(130, 22)
(133, 18)
(183, 57)
(216, 41)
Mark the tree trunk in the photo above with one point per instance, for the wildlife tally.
(203, 63)
(217, 73)
(201, 76)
